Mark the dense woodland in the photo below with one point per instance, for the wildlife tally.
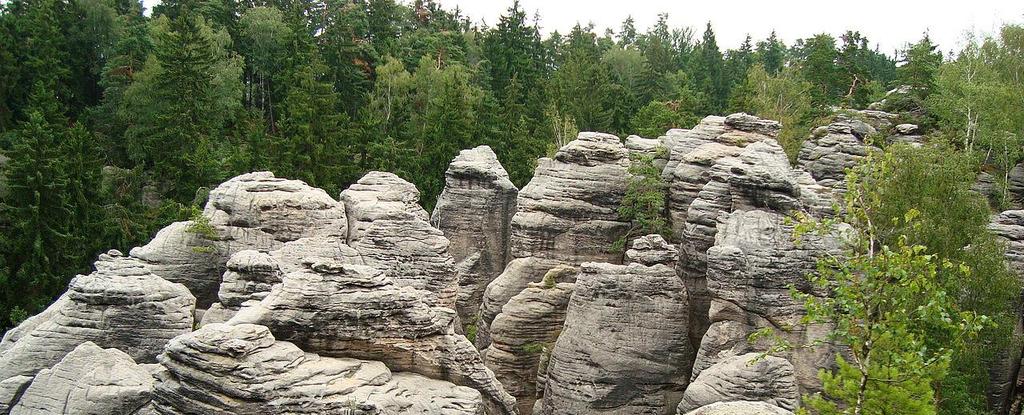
(111, 117)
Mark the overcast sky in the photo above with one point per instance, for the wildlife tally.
(888, 23)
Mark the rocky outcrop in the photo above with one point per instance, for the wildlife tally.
(567, 214)
(759, 177)
(1006, 391)
(750, 270)
(832, 149)
(243, 369)
(249, 277)
(378, 195)
(623, 348)
(121, 305)
(89, 380)
(474, 211)
(343, 310)
(528, 323)
(748, 377)
(252, 211)
(651, 250)
(738, 408)
(695, 151)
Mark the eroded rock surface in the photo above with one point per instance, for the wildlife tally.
(474, 211)
(832, 149)
(748, 377)
(242, 369)
(89, 380)
(343, 310)
(517, 276)
(249, 277)
(738, 408)
(623, 348)
(1006, 393)
(378, 195)
(651, 250)
(121, 305)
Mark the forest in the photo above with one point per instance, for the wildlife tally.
(112, 116)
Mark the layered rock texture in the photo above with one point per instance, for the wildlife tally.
(738, 408)
(474, 211)
(832, 149)
(623, 348)
(748, 377)
(243, 369)
(121, 305)
(1006, 393)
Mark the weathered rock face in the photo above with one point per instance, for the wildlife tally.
(751, 268)
(121, 305)
(695, 151)
(528, 323)
(651, 250)
(623, 348)
(413, 254)
(243, 369)
(744, 378)
(250, 276)
(252, 211)
(89, 380)
(832, 149)
(378, 195)
(739, 408)
(567, 214)
(1006, 391)
(343, 310)
(474, 211)
(759, 177)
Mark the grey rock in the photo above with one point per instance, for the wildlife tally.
(651, 250)
(88, 380)
(252, 211)
(250, 276)
(343, 310)
(378, 195)
(121, 305)
(748, 377)
(528, 323)
(1006, 386)
(243, 369)
(623, 348)
(739, 408)
(907, 129)
(517, 276)
(827, 154)
(750, 270)
(474, 211)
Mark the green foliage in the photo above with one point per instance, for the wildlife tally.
(644, 202)
(657, 117)
(784, 97)
(891, 303)
(532, 348)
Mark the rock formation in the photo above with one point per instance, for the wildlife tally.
(747, 377)
(651, 250)
(378, 195)
(832, 149)
(252, 211)
(750, 270)
(474, 211)
(567, 214)
(530, 322)
(623, 348)
(243, 369)
(695, 151)
(249, 277)
(121, 305)
(1006, 393)
(89, 380)
(343, 310)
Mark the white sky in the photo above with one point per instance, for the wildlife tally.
(888, 23)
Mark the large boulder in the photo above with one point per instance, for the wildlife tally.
(517, 276)
(243, 369)
(651, 250)
(252, 211)
(121, 305)
(530, 322)
(623, 348)
(749, 377)
(751, 269)
(474, 211)
(249, 277)
(378, 195)
(354, 311)
(695, 151)
(1006, 391)
(832, 149)
(89, 380)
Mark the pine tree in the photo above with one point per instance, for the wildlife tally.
(708, 74)
(771, 53)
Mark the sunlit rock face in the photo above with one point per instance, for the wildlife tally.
(475, 212)
(120, 305)
(624, 347)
